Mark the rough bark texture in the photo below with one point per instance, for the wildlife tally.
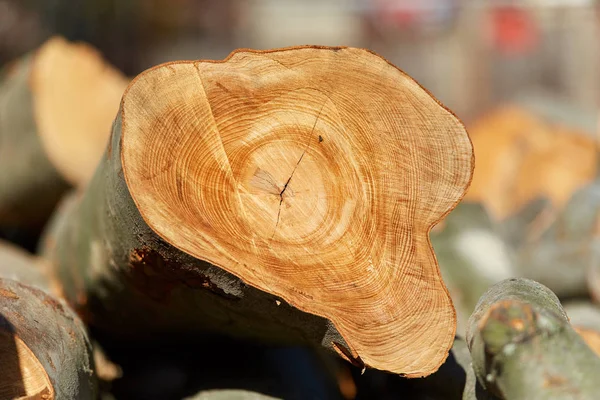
(159, 289)
(44, 347)
(30, 186)
(123, 276)
(523, 346)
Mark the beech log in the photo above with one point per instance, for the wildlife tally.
(558, 247)
(585, 319)
(523, 346)
(44, 349)
(56, 109)
(282, 195)
(473, 255)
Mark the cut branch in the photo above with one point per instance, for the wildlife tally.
(519, 335)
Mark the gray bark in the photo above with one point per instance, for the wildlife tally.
(121, 277)
(30, 186)
(50, 330)
(523, 346)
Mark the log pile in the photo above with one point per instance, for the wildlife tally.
(274, 207)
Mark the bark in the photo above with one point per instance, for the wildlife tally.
(536, 170)
(56, 108)
(523, 346)
(282, 243)
(557, 249)
(473, 256)
(44, 347)
(29, 193)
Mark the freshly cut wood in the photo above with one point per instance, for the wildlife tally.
(56, 109)
(523, 346)
(44, 349)
(76, 96)
(522, 157)
(283, 195)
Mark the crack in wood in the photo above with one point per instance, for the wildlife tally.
(295, 168)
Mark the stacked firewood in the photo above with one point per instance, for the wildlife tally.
(259, 227)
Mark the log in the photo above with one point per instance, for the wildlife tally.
(264, 196)
(56, 109)
(473, 255)
(475, 251)
(558, 247)
(524, 155)
(585, 319)
(455, 380)
(44, 348)
(519, 336)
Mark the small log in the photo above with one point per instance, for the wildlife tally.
(265, 196)
(523, 156)
(585, 319)
(558, 247)
(44, 349)
(473, 255)
(523, 346)
(56, 108)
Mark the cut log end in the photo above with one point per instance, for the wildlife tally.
(591, 337)
(314, 174)
(76, 97)
(25, 378)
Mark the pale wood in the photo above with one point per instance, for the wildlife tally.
(45, 353)
(312, 175)
(76, 96)
(56, 109)
(521, 157)
(25, 378)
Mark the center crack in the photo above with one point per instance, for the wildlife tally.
(295, 168)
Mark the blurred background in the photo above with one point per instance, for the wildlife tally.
(524, 76)
(471, 54)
